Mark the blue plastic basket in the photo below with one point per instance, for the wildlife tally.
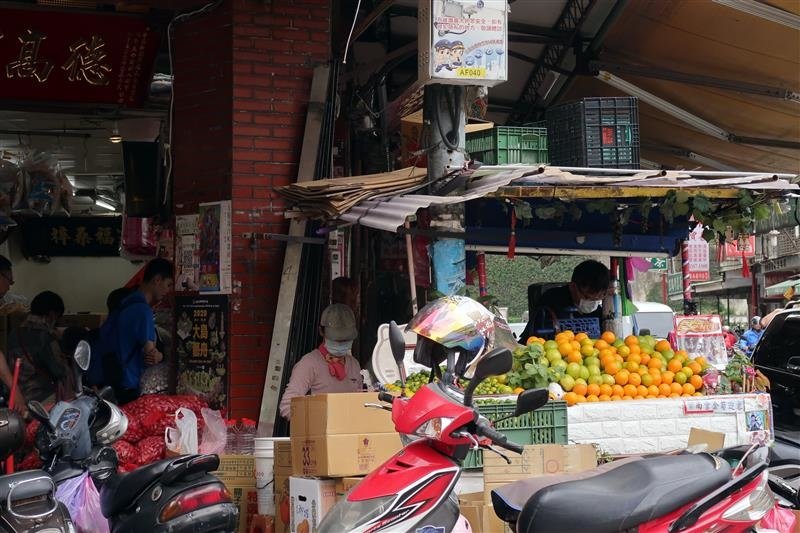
(591, 326)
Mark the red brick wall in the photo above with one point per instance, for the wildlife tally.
(275, 48)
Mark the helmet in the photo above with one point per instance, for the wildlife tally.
(458, 323)
(110, 423)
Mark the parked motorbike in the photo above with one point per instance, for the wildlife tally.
(27, 499)
(176, 495)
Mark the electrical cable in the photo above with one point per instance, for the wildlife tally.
(350, 36)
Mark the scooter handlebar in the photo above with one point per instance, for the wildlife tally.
(386, 397)
(496, 437)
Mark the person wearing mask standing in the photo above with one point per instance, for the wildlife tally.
(136, 331)
(751, 337)
(330, 368)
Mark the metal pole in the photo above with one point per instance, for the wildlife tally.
(412, 279)
(482, 288)
(687, 276)
(664, 291)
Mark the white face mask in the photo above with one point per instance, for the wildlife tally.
(586, 307)
(338, 348)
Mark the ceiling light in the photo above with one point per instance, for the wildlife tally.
(763, 11)
(711, 163)
(659, 103)
(99, 202)
(115, 137)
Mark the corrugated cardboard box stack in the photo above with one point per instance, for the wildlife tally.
(282, 472)
(237, 472)
(335, 441)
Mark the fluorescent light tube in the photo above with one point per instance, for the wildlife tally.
(763, 11)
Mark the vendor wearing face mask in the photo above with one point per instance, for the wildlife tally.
(581, 298)
(330, 367)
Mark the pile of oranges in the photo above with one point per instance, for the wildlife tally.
(611, 369)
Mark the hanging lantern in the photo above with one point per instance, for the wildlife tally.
(772, 244)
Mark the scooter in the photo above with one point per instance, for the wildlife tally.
(176, 495)
(27, 499)
(414, 490)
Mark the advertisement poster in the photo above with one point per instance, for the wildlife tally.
(186, 257)
(201, 347)
(214, 241)
(469, 40)
(738, 248)
(701, 336)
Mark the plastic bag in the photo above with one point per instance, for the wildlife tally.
(779, 519)
(215, 432)
(183, 439)
(82, 500)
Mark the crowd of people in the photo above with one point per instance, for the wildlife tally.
(122, 347)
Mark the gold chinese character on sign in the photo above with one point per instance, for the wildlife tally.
(87, 62)
(82, 236)
(28, 64)
(104, 236)
(59, 235)
(195, 349)
(204, 331)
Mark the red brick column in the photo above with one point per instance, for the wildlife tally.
(257, 102)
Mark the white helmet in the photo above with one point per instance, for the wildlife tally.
(110, 423)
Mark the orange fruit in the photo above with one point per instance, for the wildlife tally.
(696, 381)
(607, 360)
(606, 390)
(645, 358)
(634, 358)
(580, 336)
(630, 390)
(574, 357)
(663, 346)
(564, 348)
(667, 377)
(652, 390)
(593, 390)
(674, 365)
(581, 399)
(616, 398)
(604, 398)
(642, 390)
(630, 366)
(592, 398)
(654, 362)
(674, 395)
(677, 388)
(575, 345)
(580, 389)
(688, 388)
(642, 370)
(647, 379)
(640, 397)
(701, 361)
(631, 340)
(612, 368)
(635, 348)
(621, 377)
(627, 397)
(665, 390)
(601, 344)
(571, 398)
(695, 366)
(609, 337)
(634, 379)
(697, 394)
(624, 351)
(587, 350)
(617, 390)
(519, 390)
(606, 352)
(688, 371)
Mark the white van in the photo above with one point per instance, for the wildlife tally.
(656, 317)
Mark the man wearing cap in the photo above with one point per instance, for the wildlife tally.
(329, 368)
(751, 337)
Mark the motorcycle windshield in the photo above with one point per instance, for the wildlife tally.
(352, 516)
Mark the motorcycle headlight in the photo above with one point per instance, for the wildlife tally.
(434, 427)
(753, 507)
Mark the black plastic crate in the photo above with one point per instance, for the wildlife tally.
(594, 132)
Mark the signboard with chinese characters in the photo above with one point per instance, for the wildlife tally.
(753, 414)
(658, 263)
(214, 247)
(699, 260)
(68, 56)
(73, 236)
(187, 269)
(737, 248)
(464, 42)
(701, 336)
(201, 345)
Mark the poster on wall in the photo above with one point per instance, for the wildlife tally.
(187, 278)
(701, 336)
(214, 247)
(201, 347)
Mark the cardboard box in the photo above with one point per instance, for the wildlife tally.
(283, 454)
(236, 466)
(342, 455)
(481, 516)
(311, 499)
(345, 485)
(245, 496)
(714, 440)
(282, 472)
(338, 414)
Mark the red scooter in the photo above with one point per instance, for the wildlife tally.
(414, 490)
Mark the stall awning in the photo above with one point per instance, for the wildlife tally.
(780, 288)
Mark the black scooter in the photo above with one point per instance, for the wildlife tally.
(174, 495)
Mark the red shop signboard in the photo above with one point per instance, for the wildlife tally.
(87, 58)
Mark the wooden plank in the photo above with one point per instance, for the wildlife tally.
(273, 386)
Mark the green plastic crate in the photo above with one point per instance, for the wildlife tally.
(546, 425)
(505, 145)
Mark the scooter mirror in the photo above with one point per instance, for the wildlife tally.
(530, 400)
(494, 363)
(38, 412)
(398, 344)
(83, 355)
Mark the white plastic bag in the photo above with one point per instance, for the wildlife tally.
(215, 432)
(82, 500)
(183, 439)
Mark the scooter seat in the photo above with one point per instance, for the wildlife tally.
(121, 491)
(625, 497)
(28, 484)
